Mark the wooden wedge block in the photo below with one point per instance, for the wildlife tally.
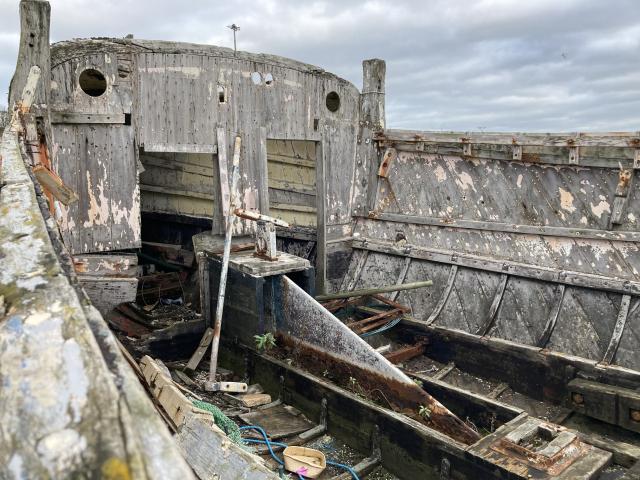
(254, 399)
(249, 400)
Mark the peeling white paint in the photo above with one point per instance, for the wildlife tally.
(440, 174)
(566, 200)
(192, 72)
(600, 208)
(98, 213)
(519, 181)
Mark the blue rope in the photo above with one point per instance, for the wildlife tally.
(384, 328)
(268, 443)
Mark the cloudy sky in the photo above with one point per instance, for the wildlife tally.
(537, 65)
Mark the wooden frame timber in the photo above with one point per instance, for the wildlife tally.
(579, 148)
(500, 266)
(582, 233)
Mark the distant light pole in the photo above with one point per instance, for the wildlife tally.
(235, 28)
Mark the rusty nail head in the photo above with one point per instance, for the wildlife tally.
(634, 414)
(577, 398)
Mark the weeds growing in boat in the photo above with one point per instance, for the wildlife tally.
(265, 342)
(424, 412)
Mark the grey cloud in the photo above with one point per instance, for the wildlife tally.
(543, 65)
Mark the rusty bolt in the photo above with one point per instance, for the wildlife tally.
(635, 415)
(577, 398)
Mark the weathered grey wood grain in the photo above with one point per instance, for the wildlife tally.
(618, 329)
(494, 265)
(578, 139)
(33, 50)
(444, 297)
(70, 407)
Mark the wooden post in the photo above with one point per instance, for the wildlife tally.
(372, 120)
(230, 220)
(33, 51)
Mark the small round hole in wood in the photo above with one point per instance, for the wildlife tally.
(92, 82)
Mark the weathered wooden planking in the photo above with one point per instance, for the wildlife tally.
(581, 233)
(63, 374)
(99, 163)
(291, 171)
(178, 183)
(617, 261)
(247, 262)
(494, 265)
(579, 322)
(33, 51)
(578, 139)
(74, 117)
(512, 195)
(627, 353)
(104, 265)
(106, 293)
(592, 156)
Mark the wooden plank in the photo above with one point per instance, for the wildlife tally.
(33, 51)
(223, 176)
(263, 177)
(401, 277)
(593, 399)
(58, 116)
(375, 290)
(553, 317)
(625, 182)
(595, 156)
(105, 265)
(579, 139)
(108, 292)
(54, 184)
(250, 400)
(321, 219)
(445, 295)
(180, 148)
(618, 329)
(406, 353)
(195, 359)
(280, 421)
(248, 263)
(583, 233)
(494, 265)
(176, 192)
(495, 305)
(352, 276)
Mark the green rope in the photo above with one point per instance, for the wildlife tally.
(227, 425)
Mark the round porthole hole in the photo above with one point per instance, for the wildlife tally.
(333, 101)
(92, 82)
